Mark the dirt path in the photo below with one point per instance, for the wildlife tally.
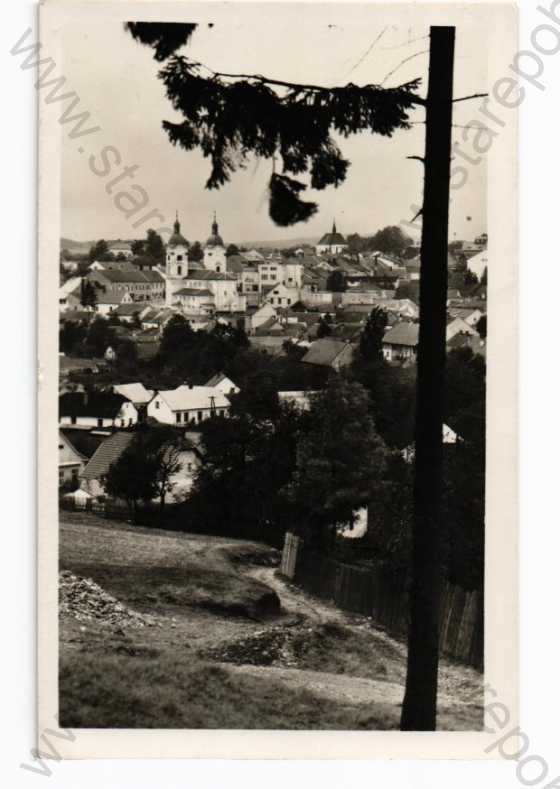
(459, 686)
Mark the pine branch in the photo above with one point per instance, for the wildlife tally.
(472, 96)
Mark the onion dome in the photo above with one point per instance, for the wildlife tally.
(177, 239)
(215, 240)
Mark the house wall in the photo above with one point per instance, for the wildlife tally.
(393, 352)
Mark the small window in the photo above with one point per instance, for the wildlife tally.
(61, 446)
(179, 257)
(179, 269)
(200, 416)
(61, 475)
(178, 416)
(100, 423)
(157, 404)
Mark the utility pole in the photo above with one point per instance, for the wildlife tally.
(420, 700)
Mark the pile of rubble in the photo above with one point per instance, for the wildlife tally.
(86, 601)
(272, 647)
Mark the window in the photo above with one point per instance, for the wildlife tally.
(61, 446)
(189, 466)
(178, 416)
(200, 416)
(288, 301)
(179, 269)
(100, 423)
(157, 404)
(179, 257)
(73, 420)
(60, 475)
(74, 475)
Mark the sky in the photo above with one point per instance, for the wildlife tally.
(116, 80)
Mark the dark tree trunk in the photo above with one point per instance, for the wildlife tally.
(419, 705)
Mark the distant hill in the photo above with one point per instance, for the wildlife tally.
(280, 243)
(68, 243)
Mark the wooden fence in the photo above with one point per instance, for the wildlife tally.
(377, 592)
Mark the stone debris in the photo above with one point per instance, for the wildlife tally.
(84, 600)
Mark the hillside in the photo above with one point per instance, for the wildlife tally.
(167, 630)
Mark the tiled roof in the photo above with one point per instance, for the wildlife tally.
(106, 453)
(135, 392)
(402, 334)
(84, 441)
(324, 351)
(204, 274)
(193, 292)
(187, 398)
(104, 405)
(133, 275)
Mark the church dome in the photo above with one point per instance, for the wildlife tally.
(215, 240)
(177, 240)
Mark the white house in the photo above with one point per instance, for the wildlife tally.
(70, 461)
(188, 405)
(223, 383)
(283, 296)
(401, 342)
(478, 263)
(262, 315)
(96, 409)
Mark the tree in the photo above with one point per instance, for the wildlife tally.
(390, 240)
(98, 251)
(154, 247)
(127, 356)
(99, 337)
(420, 699)
(324, 328)
(481, 326)
(137, 247)
(336, 281)
(88, 296)
(163, 446)
(340, 461)
(176, 336)
(132, 476)
(196, 253)
(371, 337)
(232, 249)
(470, 278)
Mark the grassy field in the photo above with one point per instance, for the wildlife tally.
(227, 644)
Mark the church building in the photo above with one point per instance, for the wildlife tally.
(332, 243)
(200, 288)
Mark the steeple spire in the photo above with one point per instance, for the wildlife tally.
(176, 225)
(214, 226)
(334, 226)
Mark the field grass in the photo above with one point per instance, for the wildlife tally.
(156, 570)
(172, 691)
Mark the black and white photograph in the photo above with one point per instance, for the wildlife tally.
(274, 257)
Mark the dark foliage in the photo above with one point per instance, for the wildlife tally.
(230, 117)
(164, 37)
(285, 207)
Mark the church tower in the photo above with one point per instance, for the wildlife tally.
(176, 261)
(214, 251)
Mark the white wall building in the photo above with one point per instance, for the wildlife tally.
(188, 405)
